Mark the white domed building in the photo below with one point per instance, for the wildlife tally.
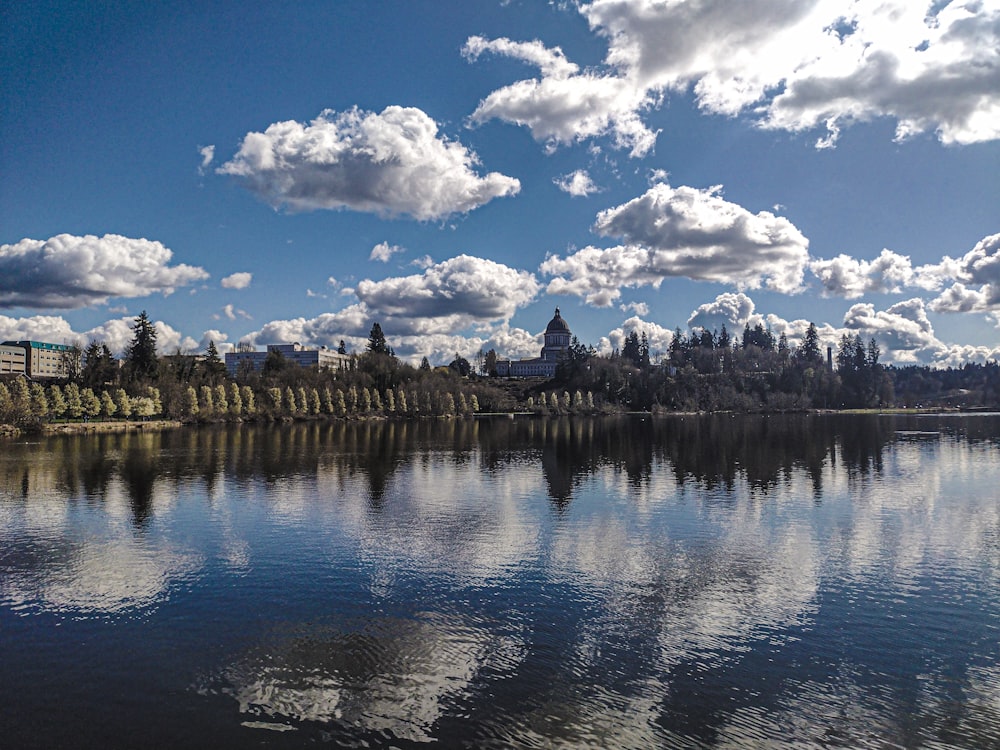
(557, 338)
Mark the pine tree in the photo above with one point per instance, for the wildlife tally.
(376, 341)
(213, 364)
(141, 353)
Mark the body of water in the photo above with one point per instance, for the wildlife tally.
(717, 581)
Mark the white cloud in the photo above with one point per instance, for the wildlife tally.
(733, 310)
(67, 271)
(450, 295)
(514, 343)
(116, 333)
(207, 157)
(657, 336)
(384, 251)
(239, 280)
(216, 336)
(977, 288)
(683, 232)
(52, 328)
(803, 65)
(393, 163)
(577, 183)
(792, 65)
(846, 277)
(551, 62)
(639, 308)
(353, 324)
(232, 312)
(565, 106)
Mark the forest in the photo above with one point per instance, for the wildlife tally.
(701, 371)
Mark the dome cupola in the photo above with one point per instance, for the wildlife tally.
(557, 324)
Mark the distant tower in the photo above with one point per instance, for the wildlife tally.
(557, 337)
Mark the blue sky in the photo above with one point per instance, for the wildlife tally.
(297, 171)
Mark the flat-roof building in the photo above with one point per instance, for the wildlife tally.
(12, 360)
(43, 360)
(323, 358)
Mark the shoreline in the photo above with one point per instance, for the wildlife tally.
(74, 428)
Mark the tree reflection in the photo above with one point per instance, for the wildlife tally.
(710, 451)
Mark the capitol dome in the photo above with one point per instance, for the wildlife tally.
(557, 324)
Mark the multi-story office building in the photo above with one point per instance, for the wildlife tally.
(12, 360)
(323, 358)
(42, 360)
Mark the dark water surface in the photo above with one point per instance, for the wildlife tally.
(823, 581)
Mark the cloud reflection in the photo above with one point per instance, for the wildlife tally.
(95, 578)
(385, 675)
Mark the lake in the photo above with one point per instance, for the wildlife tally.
(682, 581)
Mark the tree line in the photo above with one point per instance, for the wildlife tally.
(701, 371)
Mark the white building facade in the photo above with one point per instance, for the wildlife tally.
(555, 348)
(323, 358)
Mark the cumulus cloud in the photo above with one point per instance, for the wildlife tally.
(218, 338)
(903, 328)
(391, 164)
(422, 314)
(67, 271)
(565, 106)
(577, 183)
(52, 328)
(639, 308)
(686, 232)
(733, 310)
(383, 251)
(907, 336)
(116, 333)
(353, 324)
(803, 65)
(847, 277)
(462, 290)
(514, 343)
(240, 280)
(659, 338)
(977, 274)
(791, 65)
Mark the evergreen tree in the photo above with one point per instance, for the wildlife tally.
(141, 353)
(809, 351)
(213, 364)
(460, 365)
(631, 350)
(376, 341)
(99, 366)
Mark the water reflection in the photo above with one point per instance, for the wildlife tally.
(382, 675)
(687, 581)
